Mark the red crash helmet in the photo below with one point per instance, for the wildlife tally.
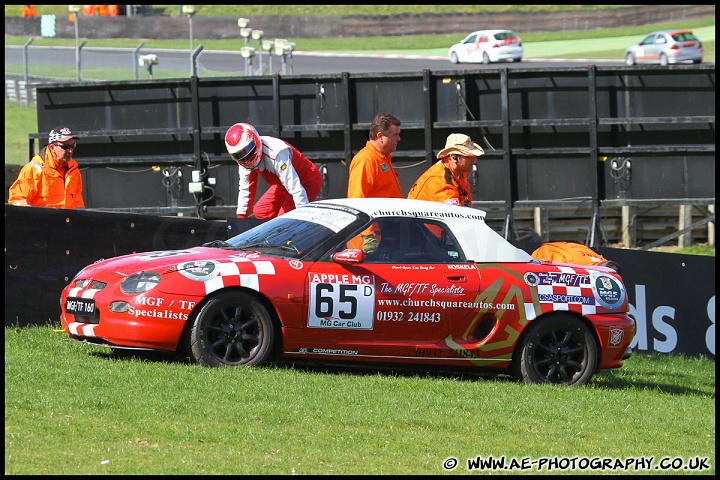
(244, 145)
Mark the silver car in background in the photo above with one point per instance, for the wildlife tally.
(666, 47)
(487, 46)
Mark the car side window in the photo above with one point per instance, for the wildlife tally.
(649, 40)
(413, 241)
(471, 39)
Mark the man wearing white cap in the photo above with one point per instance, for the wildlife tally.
(52, 177)
(447, 180)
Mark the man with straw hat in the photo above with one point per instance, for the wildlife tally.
(447, 180)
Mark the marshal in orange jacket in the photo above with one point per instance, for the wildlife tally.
(572, 252)
(41, 184)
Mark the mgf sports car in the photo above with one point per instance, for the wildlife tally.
(395, 282)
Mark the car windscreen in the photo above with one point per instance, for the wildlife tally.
(504, 35)
(295, 233)
(684, 37)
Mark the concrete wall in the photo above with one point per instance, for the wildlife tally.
(164, 27)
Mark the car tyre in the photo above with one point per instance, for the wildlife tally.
(232, 329)
(629, 60)
(664, 60)
(454, 57)
(558, 350)
(485, 58)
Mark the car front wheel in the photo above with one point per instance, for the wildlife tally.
(629, 60)
(558, 350)
(232, 329)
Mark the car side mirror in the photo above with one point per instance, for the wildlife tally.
(349, 256)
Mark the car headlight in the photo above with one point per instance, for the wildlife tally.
(139, 282)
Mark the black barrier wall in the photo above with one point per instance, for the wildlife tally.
(672, 299)
(46, 247)
(672, 296)
(588, 134)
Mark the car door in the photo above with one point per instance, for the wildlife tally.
(409, 291)
(481, 44)
(654, 49)
(645, 49)
(467, 49)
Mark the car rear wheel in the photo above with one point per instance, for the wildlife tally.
(629, 60)
(664, 60)
(232, 329)
(486, 58)
(559, 350)
(454, 57)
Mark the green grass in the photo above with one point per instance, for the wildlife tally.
(705, 250)
(325, 10)
(20, 120)
(76, 409)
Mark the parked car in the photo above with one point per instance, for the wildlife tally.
(488, 46)
(666, 47)
(436, 289)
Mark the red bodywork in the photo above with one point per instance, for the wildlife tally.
(463, 314)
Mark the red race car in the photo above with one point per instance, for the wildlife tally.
(396, 282)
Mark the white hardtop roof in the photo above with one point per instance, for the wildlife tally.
(479, 242)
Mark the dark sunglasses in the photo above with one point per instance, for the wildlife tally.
(66, 146)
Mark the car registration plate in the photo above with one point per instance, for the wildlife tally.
(81, 306)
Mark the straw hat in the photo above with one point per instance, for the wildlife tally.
(462, 145)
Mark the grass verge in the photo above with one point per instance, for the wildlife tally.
(77, 409)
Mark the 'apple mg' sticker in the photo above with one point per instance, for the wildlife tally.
(608, 291)
(199, 271)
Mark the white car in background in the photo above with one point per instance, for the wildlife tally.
(666, 47)
(487, 46)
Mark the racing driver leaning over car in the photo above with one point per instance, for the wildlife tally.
(52, 177)
(447, 180)
(372, 174)
(294, 180)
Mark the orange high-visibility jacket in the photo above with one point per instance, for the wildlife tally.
(28, 11)
(41, 185)
(568, 252)
(372, 175)
(438, 184)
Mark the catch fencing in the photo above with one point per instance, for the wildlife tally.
(611, 141)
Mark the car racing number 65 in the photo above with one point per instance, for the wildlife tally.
(341, 301)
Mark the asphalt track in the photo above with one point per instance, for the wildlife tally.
(218, 62)
(536, 55)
